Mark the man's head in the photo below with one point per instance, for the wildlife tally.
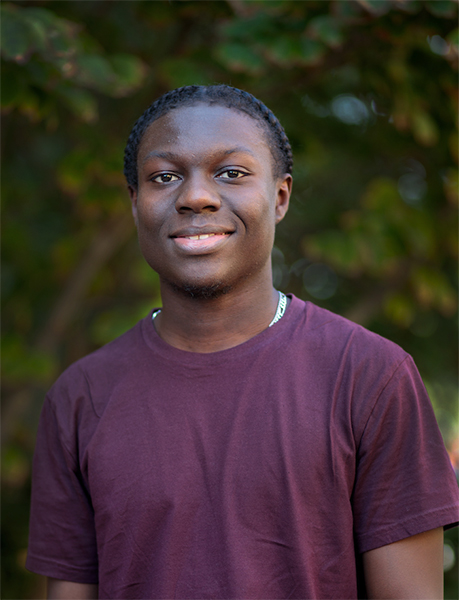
(208, 183)
(222, 95)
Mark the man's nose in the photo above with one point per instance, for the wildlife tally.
(198, 194)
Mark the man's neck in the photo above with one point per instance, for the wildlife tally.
(210, 325)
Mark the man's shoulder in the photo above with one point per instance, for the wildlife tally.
(95, 374)
(336, 333)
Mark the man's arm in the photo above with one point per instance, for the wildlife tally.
(409, 569)
(69, 590)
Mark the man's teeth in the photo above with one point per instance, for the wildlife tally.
(203, 236)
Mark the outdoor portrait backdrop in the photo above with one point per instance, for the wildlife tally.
(367, 93)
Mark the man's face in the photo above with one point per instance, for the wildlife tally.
(207, 202)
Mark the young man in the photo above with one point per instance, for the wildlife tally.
(236, 443)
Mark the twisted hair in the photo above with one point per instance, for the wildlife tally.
(223, 95)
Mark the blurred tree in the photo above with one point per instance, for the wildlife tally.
(367, 91)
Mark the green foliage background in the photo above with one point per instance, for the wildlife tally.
(367, 92)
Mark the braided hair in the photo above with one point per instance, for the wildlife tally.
(222, 95)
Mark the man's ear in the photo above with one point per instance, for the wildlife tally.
(284, 189)
(133, 196)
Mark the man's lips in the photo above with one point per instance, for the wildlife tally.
(197, 243)
(201, 230)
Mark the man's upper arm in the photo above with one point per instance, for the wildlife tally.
(70, 590)
(409, 569)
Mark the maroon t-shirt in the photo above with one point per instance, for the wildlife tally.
(261, 471)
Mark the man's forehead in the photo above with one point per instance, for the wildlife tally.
(217, 129)
(206, 120)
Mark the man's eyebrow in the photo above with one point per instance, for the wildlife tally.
(236, 149)
(217, 154)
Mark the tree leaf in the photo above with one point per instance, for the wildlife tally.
(53, 35)
(376, 7)
(326, 29)
(130, 73)
(16, 39)
(381, 195)
(433, 290)
(240, 58)
(312, 51)
(400, 309)
(81, 102)
(424, 127)
(285, 49)
(260, 27)
(95, 71)
(453, 39)
(442, 8)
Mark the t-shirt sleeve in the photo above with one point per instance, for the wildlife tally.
(404, 483)
(62, 541)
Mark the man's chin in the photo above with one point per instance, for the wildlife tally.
(202, 292)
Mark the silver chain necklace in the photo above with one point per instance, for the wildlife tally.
(281, 306)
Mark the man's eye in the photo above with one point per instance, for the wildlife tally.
(165, 178)
(232, 174)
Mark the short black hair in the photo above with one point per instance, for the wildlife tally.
(223, 95)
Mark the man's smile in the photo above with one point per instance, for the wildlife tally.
(199, 243)
(203, 236)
